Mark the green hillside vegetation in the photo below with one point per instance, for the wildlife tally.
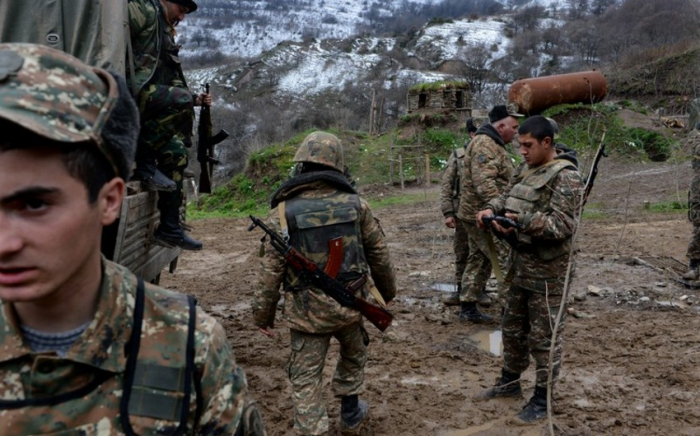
(368, 157)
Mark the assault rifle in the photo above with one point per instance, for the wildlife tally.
(205, 146)
(600, 153)
(311, 274)
(505, 222)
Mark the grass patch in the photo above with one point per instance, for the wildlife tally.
(401, 199)
(592, 214)
(668, 206)
(439, 85)
(581, 128)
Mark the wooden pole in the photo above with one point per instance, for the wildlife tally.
(372, 112)
(427, 170)
(391, 162)
(401, 171)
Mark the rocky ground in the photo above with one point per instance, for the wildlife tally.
(631, 350)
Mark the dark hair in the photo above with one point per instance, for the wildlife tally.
(470, 125)
(83, 161)
(538, 127)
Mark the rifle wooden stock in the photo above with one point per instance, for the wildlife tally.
(311, 274)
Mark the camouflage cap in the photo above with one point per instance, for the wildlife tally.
(190, 4)
(321, 148)
(55, 95)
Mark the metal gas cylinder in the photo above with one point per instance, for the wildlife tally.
(534, 95)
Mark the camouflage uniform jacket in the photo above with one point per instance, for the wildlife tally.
(487, 171)
(694, 191)
(546, 200)
(92, 31)
(153, 43)
(451, 184)
(307, 308)
(99, 353)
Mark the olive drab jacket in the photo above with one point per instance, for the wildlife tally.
(83, 392)
(487, 171)
(450, 190)
(155, 54)
(94, 31)
(546, 200)
(321, 206)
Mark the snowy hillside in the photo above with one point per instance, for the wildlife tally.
(263, 26)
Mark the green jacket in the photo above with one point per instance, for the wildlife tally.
(154, 50)
(94, 31)
(100, 353)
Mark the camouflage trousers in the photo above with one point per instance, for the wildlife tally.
(305, 369)
(478, 269)
(165, 112)
(460, 245)
(527, 330)
(693, 252)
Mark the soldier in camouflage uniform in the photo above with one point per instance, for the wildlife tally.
(544, 201)
(693, 253)
(82, 339)
(166, 107)
(449, 203)
(487, 171)
(314, 207)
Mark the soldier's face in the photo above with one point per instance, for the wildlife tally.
(508, 129)
(49, 233)
(535, 152)
(174, 13)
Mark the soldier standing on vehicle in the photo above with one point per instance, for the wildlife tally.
(166, 104)
(313, 208)
(449, 203)
(87, 347)
(544, 203)
(693, 253)
(487, 171)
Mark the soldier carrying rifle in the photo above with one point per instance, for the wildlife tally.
(323, 218)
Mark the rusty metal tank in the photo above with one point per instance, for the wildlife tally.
(534, 95)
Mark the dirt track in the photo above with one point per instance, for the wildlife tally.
(630, 358)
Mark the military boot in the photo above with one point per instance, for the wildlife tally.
(507, 386)
(693, 270)
(470, 312)
(484, 299)
(151, 178)
(169, 232)
(535, 409)
(354, 415)
(453, 298)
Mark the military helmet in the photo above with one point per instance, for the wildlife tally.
(57, 97)
(555, 127)
(321, 148)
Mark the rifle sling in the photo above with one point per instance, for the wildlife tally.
(284, 226)
(493, 256)
(378, 296)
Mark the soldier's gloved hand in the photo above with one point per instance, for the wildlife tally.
(481, 214)
(497, 226)
(450, 222)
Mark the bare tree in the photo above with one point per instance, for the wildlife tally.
(476, 66)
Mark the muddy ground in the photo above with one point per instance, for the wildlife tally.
(630, 356)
